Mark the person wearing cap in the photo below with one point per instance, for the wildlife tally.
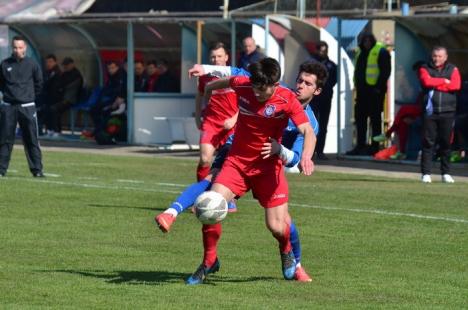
(21, 84)
(69, 87)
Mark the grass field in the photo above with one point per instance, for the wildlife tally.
(84, 238)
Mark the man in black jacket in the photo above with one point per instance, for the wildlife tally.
(21, 84)
(440, 81)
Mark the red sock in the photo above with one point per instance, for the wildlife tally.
(211, 236)
(202, 172)
(284, 240)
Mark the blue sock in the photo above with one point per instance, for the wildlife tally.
(295, 242)
(189, 195)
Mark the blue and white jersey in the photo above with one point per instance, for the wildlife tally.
(294, 141)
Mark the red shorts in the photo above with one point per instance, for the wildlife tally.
(213, 134)
(266, 180)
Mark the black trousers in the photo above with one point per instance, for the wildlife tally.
(26, 116)
(437, 129)
(369, 104)
(54, 116)
(321, 108)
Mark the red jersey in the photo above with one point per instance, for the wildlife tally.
(222, 104)
(257, 122)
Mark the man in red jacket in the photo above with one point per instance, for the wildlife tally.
(440, 81)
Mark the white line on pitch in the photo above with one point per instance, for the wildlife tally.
(383, 212)
(158, 190)
(130, 181)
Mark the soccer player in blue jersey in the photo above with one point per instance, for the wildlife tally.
(310, 79)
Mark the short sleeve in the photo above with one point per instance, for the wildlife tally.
(296, 112)
(237, 81)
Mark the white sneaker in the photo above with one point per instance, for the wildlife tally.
(447, 178)
(426, 178)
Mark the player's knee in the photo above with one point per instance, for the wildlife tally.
(206, 159)
(276, 227)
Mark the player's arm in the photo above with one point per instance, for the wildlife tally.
(216, 84)
(231, 122)
(219, 71)
(306, 164)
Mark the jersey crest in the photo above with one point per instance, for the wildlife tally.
(269, 110)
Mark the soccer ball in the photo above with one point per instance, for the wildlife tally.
(211, 207)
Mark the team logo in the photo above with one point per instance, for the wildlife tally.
(269, 110)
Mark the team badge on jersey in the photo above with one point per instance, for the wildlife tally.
(269, 110)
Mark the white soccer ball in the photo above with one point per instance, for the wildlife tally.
(211, 207)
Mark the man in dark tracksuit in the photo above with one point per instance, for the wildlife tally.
(21, 84)
(321, 105)
(440, 81)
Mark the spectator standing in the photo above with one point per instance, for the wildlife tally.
(372, 70)
(166, 82)
(69, 87)
(250, 53)
(141, 78)
(440, 81)
(21, 84)
(321, 105)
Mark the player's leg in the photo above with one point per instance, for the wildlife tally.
(206, 157)
(300, 274)
(189, 195)
(211, 236)
(229, 177)
(270, 187)
(279, 223)
(182, 202)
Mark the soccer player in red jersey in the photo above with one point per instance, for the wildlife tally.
(264, 110)
(221, 106)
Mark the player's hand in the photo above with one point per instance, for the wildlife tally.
(447, 81)
(270, 148)
(306, 165)
(196, 70)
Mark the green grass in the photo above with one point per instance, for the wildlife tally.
(86, 239)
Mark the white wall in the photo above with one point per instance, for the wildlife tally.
(161, 119)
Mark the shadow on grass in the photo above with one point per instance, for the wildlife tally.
(155, 277)
(124, 207)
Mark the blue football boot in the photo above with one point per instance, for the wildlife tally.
(289, 265)
(202, 271)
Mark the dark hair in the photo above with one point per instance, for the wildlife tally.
(110, 62)
(317, 69)
(266, 72)
(18, 38)
(321, 43)
(439, 48)
(218, 45)
(152, 62)
(366, 35)
(51, 56)
(139, 61)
